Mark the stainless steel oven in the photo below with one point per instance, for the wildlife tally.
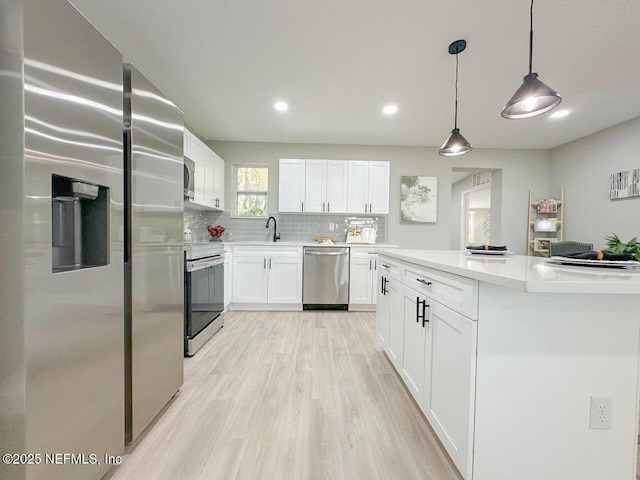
(189, 178)
(204, 297)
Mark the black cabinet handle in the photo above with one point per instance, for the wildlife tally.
(385, 265)
(422, 317)
(421, 280)
(425, 319)
(264, 263)
(328, 206)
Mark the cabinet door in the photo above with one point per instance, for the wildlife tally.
(209, 172)
(285, 280)
(416, 338)
(378, 187)
(249, 279)
(382, 315)
(218, 181)
(396, 323)
(337, 186)
(375, 290)
(449, 404)
(360, 280)
(315, 186)
(291, 188)
(186, 143)
(357, 195)
(227, 279)
(199, 158)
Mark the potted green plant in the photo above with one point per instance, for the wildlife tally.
(615, 245)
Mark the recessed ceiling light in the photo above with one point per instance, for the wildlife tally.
(560, 114)
(281, 106)
(390, 109)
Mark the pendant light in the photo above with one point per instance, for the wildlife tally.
(456, 144)
(533, 97)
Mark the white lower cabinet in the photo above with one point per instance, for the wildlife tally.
(284, 282)
(450, 402)
(263, 275)
(417, 345)
(227, 277)
(249, 279)
(395, 347)
(433, 348)
(362, 279)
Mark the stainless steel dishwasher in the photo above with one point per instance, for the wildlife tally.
(325, 282)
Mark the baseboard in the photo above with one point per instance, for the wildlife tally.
(362, 307)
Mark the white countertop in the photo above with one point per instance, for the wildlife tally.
(527, 274)
(298, 244)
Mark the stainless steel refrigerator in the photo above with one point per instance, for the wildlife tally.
(61, 243)
(154, 324)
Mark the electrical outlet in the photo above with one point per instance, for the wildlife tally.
(600, 412)
(332, 226)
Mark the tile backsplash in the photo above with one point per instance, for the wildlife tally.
(292, 227)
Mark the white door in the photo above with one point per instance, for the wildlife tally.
(285, 280)
(357, 195)
(379, 187)
(360, 280)
(382, 315)
(198, 156)
(291, 188)
(337, 186)
(396, 322)
(416, 328)
(209, 172)
(315, 186)
(453, 373)
(249, 279)
(218, 181)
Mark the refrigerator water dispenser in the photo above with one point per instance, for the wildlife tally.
(79, 224)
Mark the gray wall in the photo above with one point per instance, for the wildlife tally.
(583, 167)
(521, 170)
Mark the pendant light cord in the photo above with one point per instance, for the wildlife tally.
(455, 116)
(531, 38)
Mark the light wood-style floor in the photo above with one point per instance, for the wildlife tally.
(289, 395)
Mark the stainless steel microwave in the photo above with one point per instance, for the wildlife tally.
(189, 178)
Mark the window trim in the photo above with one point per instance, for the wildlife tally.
(236, 166)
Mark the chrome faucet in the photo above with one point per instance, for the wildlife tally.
(275, 228)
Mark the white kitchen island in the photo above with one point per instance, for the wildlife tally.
(505, 355)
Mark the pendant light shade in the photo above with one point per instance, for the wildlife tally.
(456, 144)
(533, 97)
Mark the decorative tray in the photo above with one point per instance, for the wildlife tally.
(490, 252)
(594, 263)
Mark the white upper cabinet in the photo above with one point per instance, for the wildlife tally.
(209, 174)
(198, 155)
(315, 186)
(368, 187)
(186, 143)
(333, 186)
(291, 195)
(208, 179)
(218, 181)
(336, 180)
(378, 187)
(358, 195)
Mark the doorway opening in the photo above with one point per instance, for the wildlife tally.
(476, 198)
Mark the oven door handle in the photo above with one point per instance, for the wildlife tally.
(196, 265)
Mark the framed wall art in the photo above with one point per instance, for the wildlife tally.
(419, 199)
(624, 184)
(542, 244)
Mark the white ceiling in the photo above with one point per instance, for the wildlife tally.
(337, 63)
